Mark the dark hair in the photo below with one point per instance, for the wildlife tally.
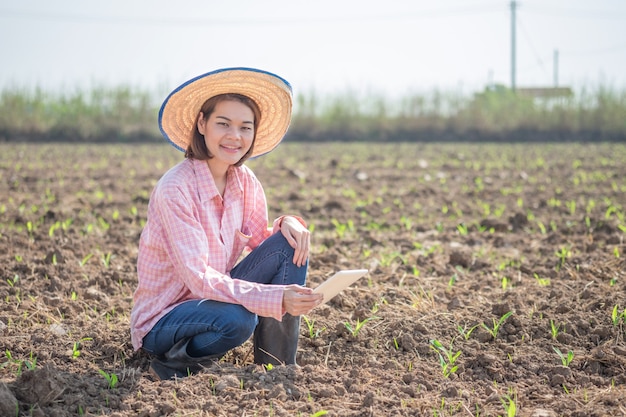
(197, 147)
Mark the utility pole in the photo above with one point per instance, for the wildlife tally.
(556, 68)
(513, 6)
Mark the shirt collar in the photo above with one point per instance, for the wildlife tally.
(206, 184)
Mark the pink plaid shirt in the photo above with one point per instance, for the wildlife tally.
(192, 240)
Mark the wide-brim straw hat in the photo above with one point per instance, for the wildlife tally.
(273, 95)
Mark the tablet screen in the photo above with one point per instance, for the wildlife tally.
(341, 280)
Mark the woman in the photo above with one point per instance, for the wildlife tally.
(194, 302)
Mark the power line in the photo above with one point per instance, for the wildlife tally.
(575, 13)
(532, 47)
(599, 51)
(417, 15)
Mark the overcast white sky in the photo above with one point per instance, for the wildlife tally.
(389, 47)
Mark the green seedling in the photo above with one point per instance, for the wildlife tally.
(83, 261)
(310, 326)
(106, 259)
(77, 346)
(30, 364)
(342, 228)
(319, 413)
(356, 328)
(111, 378)
(447, 357)
(554, 329)
(465, 332)
(616, 317)
(565, 359)
(493, 331)
(509, 405)
(543, 282)
(562, 255)
(506, 283)
(462, 228)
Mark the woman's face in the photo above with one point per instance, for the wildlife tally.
(228, 132)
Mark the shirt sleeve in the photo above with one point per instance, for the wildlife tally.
(186, 244)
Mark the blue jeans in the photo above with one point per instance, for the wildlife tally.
(214, 327)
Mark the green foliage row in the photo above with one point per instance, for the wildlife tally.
(125, 112)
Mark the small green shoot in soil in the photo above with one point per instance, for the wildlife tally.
(106, 259)
(509, 404)
(111, 378)
(319, 413)
(76, 347)
(562, 255)
(29, 364)
(554, 329)
(83, 261)
(311, 328)
(465, 332)
(565, 359)
(354, 329)
(543, 282)
(616, 317)
(448, 359)
(493, 331)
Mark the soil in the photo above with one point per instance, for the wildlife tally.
(495, 285)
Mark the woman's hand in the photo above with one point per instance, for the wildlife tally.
(299, 300)
(298, 237)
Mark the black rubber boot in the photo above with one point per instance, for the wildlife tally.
(176, 363)
(276, 342)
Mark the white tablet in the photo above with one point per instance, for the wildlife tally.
(342, 279)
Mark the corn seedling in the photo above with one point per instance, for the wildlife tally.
(506, 283)
(565, 359)
(83, 261)
(465, 332)
(562, 255)
(616, 317)
(493, 331)
(106, 259)
(76, 347)
(356, 328)
(509, 404)
(447, 357)
(462, 228)
(30, 364)
(342, 228)
(554, 329)
(111, 378)
(543, 282)
(310, 326)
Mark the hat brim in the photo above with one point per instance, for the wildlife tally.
(273, 95)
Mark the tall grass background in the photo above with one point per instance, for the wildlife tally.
(126, 113)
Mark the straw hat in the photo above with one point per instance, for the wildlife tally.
(177, 117)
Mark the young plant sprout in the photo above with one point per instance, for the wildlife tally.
(493, 331)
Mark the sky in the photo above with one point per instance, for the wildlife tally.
(388, 47)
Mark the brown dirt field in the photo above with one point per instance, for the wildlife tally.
(455, 238)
